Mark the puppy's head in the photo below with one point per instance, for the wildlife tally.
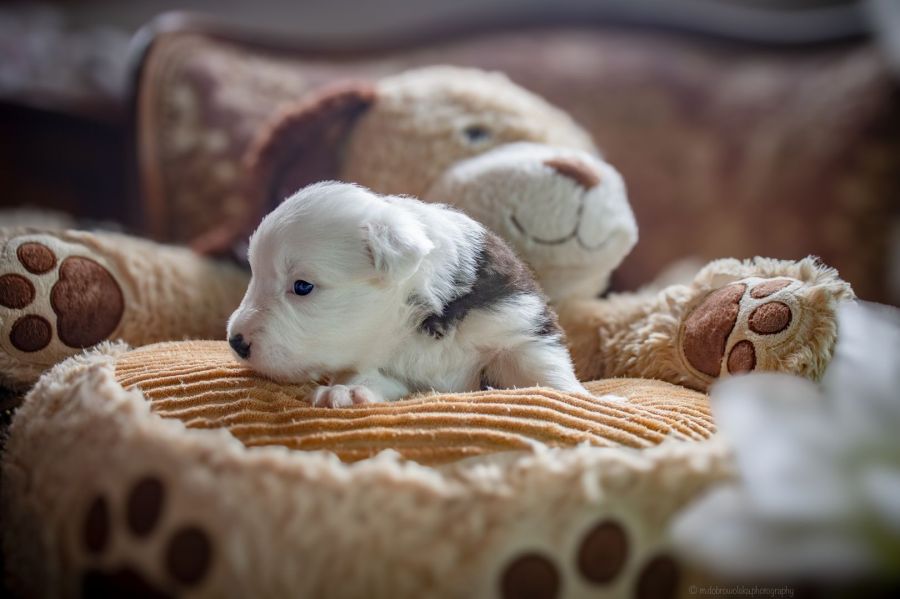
(329, 267)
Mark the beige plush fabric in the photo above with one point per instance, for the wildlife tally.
(201, 384)
(736, 316)
(62, 291)
(104, 494)
(393, 149)
(398, 135)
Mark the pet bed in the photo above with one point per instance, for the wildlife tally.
(170, 470)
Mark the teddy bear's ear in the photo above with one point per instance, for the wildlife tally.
(301, 145)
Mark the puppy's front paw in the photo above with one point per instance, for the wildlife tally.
(341, 396)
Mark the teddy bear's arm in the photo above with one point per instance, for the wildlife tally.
(62, 291)
(736, 316)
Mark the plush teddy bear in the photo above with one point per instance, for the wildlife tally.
(583, 518)
(467, 138)
(530, 172)
(477, 141)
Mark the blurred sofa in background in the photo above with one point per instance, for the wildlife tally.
(729, 147)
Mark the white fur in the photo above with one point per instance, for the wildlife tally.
(367, 256)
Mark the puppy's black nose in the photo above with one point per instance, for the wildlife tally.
(239, 346)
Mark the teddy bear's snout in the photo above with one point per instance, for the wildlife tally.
(576, 170)
(561, 214)
(554, 205)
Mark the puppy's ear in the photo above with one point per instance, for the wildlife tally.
(396, 243)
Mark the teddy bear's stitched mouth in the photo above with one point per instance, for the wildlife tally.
(573, 234)
(561, 240)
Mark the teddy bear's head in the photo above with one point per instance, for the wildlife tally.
(468, 138)
(564, 210)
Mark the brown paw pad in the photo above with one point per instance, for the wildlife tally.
(707, 329)
(16, 292)
(31, 333)
(37, 258)
(769, 319)
(601, 561)
(530, 576)
(658, 579)
(86, 299)
(88, 302)
(186, 554)
(603, 552)
(722, 333)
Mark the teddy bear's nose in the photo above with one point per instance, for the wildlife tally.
(575, 170)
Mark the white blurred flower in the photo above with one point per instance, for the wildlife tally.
(818, 486)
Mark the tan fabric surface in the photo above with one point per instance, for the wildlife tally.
(200, 384)
(100, 495)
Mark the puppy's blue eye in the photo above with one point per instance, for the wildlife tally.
(302, 287)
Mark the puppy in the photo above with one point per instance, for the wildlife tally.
(389, 296)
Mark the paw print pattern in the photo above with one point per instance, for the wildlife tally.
(186, 552)
(740, 327)
(601, 561)
(76, 297)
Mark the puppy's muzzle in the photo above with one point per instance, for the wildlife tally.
(240, 347)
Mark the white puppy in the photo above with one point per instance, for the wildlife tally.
(390, 296)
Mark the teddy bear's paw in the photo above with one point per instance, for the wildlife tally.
(136, 550)
(607, 561)
(748, 325)
(56, 298)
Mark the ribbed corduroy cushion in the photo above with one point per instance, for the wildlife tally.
(202, 385)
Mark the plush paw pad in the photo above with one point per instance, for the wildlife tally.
(53, 298)
(36, 257)
(603, 557)
(185, 551)
(87, 302)
(740, 327)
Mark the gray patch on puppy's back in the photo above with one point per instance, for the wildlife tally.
(499, 275)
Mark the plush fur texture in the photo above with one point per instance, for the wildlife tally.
(83, 288)
(476, 141)
(106, 490)
(114, 490)
(646, 333)
(425, 120)
(565, 210)
(467, 138)
(406, 297)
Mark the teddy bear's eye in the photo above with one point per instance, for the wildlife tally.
(302, 287)
(476, 133)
